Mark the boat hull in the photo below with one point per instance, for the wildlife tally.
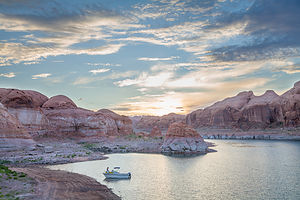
(117, 176)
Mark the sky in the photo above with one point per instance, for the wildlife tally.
(153, 57)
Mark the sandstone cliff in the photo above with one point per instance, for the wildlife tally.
(13, 135)
(247, 111)
(59, 116)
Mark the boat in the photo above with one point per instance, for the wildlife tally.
(115, 174)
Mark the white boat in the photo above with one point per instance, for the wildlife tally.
(115, 174)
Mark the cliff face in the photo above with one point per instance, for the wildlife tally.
(39, 115)
(26, 106)
(247, 111)
(13, 135)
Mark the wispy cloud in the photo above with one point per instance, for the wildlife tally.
(289, 69)
(184, 102)
(8, 75)
(44, 75)
(60, 29)
(157, 59)
(104, 64)
(97, 71)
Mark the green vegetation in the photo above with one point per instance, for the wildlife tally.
(89, 146)
(8, 174)
(123, 147)
(132, 136)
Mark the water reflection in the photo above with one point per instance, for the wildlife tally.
(239, 170)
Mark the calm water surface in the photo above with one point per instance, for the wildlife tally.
(239, 170)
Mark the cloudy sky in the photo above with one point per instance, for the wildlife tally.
(149, 57)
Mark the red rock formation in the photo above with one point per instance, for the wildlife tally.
(59, 102)
(180, 129)
(59, 114)
(247, 111)
(123, 123)
(181, 138)
(146, 123)
(80, 122)
(13, 135)
(10, 127)
(25, 106)
(14, 98)
(287, 107)
(155, 132)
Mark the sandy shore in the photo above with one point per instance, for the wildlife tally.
(55, 184)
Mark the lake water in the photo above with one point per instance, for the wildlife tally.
(239, 170)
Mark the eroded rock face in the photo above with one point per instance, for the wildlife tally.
(13, 135)
(287, 107)
(80, 122)
(59, 115)
(26, 105)
(247, 111)
(123, 123)
(182, 139)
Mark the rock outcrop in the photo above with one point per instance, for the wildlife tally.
(287, 107)
(247, 111)
(14, 98)
(59, 116)
(65, 117)
(182, 139)
(155, 132)
(146, 123)
(59, 102)
(123, 123)
(26, 105)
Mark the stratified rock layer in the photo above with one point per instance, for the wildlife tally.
(182, 139)
(13, 135)
(59, 116)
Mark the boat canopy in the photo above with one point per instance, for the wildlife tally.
(116, 167)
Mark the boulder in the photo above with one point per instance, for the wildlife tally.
(182, 139)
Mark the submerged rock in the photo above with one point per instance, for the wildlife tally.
(182, 139)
